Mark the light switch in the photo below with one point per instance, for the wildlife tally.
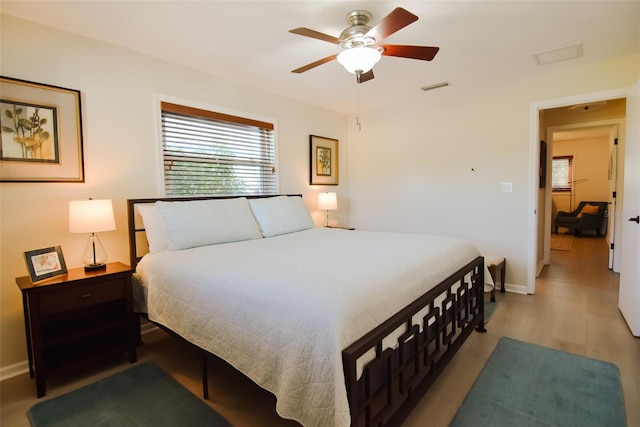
(506, 187)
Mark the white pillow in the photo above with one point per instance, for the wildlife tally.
(154, 228)
(207, 222)
(281, 215)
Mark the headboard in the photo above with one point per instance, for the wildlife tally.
(137, 239)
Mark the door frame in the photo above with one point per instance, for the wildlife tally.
(534, 165)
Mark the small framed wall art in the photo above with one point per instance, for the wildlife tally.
(543, 164)
(45, 263)
(41, 133)
(323, 163)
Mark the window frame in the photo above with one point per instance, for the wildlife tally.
(219, 114)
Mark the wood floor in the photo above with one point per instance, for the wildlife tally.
(574, 310)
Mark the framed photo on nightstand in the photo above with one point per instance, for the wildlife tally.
(45, 263)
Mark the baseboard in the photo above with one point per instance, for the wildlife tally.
(14, 370)
(516, 289)
(20, 368)
(146, 327)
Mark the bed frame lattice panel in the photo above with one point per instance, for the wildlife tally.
(425, 336)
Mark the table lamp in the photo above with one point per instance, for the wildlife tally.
(328, 202)
(92, 216)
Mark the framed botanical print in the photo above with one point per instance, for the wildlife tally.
(41, 139)
(323, 163)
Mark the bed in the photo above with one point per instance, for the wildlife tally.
(343, 327)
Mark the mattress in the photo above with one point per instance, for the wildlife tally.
(281, 309)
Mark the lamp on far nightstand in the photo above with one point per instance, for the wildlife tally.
(92, 216)
(328, 202)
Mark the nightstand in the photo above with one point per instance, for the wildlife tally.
(77, 315)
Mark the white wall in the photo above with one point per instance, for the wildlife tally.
(411, 165)
(119, 88)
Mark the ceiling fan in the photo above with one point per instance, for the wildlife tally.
(361, 43)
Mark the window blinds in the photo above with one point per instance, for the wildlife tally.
(562, 173)
(209, 153)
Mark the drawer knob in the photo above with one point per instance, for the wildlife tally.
(85, 296)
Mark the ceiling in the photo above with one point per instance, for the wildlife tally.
(580, 120)
(583, 133)
(481, 42)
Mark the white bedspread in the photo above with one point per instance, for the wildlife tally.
(281, 309)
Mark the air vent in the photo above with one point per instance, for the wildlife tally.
(435, 86)
(556, 55)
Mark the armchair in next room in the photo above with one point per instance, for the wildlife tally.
(587, 216)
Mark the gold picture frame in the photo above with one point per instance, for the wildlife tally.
(323, 160)
(45, 263)
(41, 139)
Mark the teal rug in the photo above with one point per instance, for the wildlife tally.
(489, 309)
(144, 395)
(528, 385)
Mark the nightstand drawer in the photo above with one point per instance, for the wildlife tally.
(82, 296)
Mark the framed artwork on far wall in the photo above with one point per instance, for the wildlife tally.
(41, 139)
(543, 165)
(323, 162)
(45, 263)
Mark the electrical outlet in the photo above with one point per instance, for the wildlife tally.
(506, 187)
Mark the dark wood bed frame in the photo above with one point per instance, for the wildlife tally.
(433, 328)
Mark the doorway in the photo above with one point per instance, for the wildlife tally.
(589, 153)
(575, 114)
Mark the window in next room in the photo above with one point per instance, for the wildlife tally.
(562, 173)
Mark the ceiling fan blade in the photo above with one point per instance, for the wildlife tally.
(315, 35)
(396, 20)
(425, 53)
(314, 64)
(364, 77)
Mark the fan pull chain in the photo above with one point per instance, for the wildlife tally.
(358, 122)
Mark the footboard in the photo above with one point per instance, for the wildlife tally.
(390, 368)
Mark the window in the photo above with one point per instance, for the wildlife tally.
(208, 153)
(562, 173)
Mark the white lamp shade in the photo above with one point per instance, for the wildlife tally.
(91, 216)
(359, 59)
(327, 201)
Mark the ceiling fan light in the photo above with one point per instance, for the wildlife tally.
(359, 59)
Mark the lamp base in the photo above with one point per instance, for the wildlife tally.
(95, 267)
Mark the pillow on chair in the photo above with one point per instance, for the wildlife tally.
(588, 209)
